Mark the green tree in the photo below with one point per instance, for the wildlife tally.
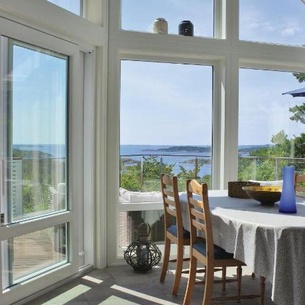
(299, 146)
(149, 180)
(152, 168)
(261, 164)
(298, 111)
(300, 76)
(130, 176)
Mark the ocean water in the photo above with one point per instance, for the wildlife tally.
(180, 155)
(177, 155)
(170, 155)
(183, 156)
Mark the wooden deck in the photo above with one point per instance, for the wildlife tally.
(33, 252)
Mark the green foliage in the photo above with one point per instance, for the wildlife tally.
(37, 177)
(299, 76)
(189, 174)
(143, 176)
(34, 199)
(299, 146)
(152, 168)
(298, 113)
(261, 164)
(130, 179)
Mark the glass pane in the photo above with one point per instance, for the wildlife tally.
(73, 6)
(139, 15)
(34, 253)
(272, 21)
(271, 135)
(166, 123)
(34, 149)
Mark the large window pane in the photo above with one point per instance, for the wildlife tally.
(139, 15)
(34, 149)
(270, 135)
(272, 21)
(166, 123)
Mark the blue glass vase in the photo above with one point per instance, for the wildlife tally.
(287, 201)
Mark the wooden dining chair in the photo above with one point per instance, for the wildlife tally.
(176, 234)
(299, 184)
(206, 252)
(174, 231)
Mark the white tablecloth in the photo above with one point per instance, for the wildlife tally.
(272, 244)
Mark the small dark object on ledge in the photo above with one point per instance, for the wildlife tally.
(186, 28)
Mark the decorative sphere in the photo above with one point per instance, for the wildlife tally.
(142, 256)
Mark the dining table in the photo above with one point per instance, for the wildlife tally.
(270, 243)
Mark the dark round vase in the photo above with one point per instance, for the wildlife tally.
(186, 28)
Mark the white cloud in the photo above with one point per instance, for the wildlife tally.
(291, 28)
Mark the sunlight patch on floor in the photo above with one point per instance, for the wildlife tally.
(68, 295)
(142, 295)
(92, 279)
(113, 300)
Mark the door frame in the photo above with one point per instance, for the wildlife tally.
(73, 215)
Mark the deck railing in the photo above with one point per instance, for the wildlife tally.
(200, 165)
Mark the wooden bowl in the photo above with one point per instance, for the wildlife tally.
(266, 195)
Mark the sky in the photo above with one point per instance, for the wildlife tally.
(73, 6)
(184, 92)
(39, 93)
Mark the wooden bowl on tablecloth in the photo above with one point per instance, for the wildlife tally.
(266, 195)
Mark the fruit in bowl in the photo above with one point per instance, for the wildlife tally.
(266, 195)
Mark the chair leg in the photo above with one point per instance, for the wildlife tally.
(262, 290)
(165, 259)
(191, 281)
(179, 265)
(239, 276)
(208, 287)
(224, 276)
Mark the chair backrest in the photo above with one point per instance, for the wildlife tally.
(200, 215)
(299, 184)
(171, 203)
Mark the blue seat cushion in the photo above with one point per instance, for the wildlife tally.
(173, 230)
(219, 253)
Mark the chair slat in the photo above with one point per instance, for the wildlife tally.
(171, 212)
(169, 193)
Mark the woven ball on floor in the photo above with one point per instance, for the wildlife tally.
(141, 254)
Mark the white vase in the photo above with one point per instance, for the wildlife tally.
(160, 26)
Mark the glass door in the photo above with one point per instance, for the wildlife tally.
(37, 223)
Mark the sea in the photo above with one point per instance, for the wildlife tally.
(176, 155)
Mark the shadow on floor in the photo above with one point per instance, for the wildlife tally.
(122, 286)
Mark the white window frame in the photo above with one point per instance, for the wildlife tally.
(76, 166)
(226, 53)
(89, 35)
